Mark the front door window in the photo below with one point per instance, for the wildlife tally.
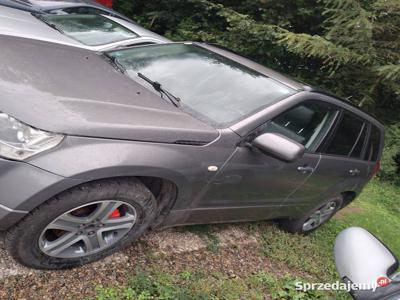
(306, 124)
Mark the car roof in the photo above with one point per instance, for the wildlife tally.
(345, 101)
(23, 24)
(58, 2)
(50, 5)
(22, 5)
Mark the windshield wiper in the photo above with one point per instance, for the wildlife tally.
(158, 87)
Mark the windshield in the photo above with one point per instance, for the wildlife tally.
(214, 88)
(91, 30)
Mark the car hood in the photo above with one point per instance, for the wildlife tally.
(78, 92)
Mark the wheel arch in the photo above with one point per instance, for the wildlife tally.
(165, 190)
(348, 197)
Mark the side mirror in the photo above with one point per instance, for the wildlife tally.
(362, 259)
(279, 146)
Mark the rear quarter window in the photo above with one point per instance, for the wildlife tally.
(373, 145)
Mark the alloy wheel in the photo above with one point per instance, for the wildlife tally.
(320, 216)
(87, 229)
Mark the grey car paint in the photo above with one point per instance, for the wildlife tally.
(101, 107)
(117, 128)
(15, 22)
(19, 5)
(40, 6)
(53, 6)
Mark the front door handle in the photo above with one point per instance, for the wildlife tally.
(305, 169)
(354, 172)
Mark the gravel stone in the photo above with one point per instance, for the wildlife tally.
(171, 250)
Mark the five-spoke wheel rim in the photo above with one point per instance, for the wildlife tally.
(320, 216)
(87, 229)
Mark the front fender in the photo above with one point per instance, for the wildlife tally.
(87, 159)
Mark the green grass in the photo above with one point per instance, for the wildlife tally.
(197, 286)
(376, 210)
(307, 259)
(380, 214)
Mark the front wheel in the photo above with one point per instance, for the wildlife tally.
(314, 218)
(83, 225)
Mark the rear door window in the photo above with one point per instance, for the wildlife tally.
(348, 138)
(373, 144)
(358, 147)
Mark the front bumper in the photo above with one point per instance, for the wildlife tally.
(23, 187)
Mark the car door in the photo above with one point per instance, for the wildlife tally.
(342, 167)
(258, 183)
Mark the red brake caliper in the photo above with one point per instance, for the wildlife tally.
(115, 214)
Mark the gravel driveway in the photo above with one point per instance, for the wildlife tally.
(172, 248)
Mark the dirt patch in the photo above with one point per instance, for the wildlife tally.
(349, 210)
(174, 241)
(230, 235)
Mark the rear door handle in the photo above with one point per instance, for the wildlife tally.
(305, 169)
(354, 172)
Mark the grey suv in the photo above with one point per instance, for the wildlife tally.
(98, 148)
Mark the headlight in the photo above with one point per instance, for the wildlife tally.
(19, 141)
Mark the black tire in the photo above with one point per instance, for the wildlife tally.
(22, 239)
(296, 225)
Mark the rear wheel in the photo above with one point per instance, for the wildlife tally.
(83, 225)
(314, 218)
